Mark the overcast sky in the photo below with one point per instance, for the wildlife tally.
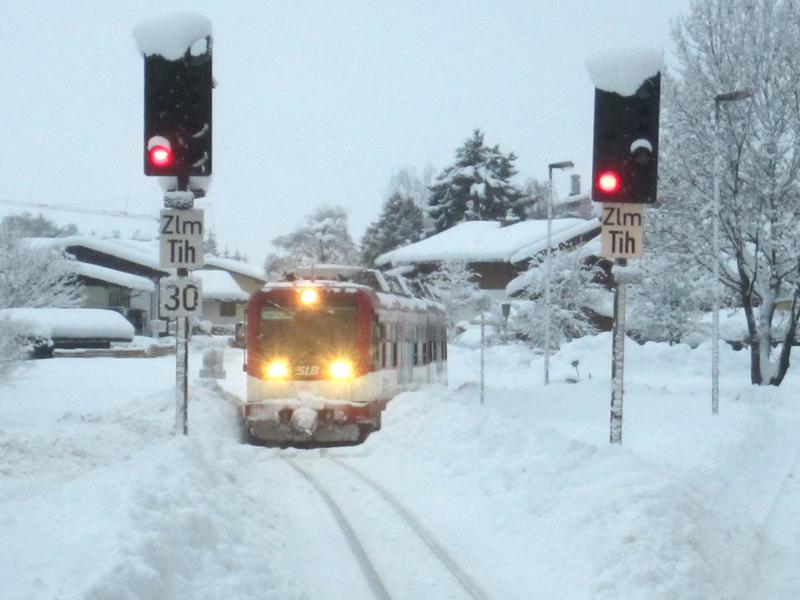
(317, 102)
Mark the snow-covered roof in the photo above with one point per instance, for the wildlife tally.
(140, 253)
(220, 285)
(121, 278)
(236, 266)
(488, 241)
(82, 323)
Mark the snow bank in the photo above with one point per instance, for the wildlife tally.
(524, 491)
(624, 70)
(172, 35)
(665, 516)
(83, 323)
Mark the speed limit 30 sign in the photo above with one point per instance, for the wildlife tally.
(180, 297)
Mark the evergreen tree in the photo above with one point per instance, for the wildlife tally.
(399, 224)
(210, 244)
(477, 187)
(323, 238)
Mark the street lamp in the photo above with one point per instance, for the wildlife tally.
(567, 164)
(718, 99)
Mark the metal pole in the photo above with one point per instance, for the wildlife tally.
(547, 276)
(715, 257)
(567, 164)
(617, 360)
(482, 358)
(182, 350)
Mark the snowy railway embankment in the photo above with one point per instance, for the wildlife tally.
(524, 493)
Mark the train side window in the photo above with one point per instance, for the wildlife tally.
(394, 354)
(416, 353)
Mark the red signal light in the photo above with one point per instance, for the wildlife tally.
(609, 182)
(160, 156)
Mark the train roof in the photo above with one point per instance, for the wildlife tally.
(392, 291)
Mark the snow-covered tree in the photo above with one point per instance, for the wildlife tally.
(26, 225)
(322, 238)
(408, 184)
(12, 348)
(667, 300)
(399, 224)
(477, 187)
(574, 291)
(456, 287)
(534, 198)
(722, 46)
(30, 278)
(276, 265)
(35, 277)
(210, 244)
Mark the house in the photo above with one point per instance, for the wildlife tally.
(121, 275)
(247, 277)
(224, 301)
(498, 253)
(124, 275)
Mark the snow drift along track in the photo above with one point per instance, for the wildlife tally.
(381, 541)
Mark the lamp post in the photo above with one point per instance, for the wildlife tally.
(567, 164)
(718, 99)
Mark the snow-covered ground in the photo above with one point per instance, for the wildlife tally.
(99, 501)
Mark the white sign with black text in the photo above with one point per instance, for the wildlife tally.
(180, 297)
(181, 238)
(622, 230)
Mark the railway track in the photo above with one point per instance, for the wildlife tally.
(397, 555)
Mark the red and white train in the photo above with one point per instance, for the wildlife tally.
(326, 350)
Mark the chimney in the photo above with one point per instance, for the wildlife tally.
(575, 181)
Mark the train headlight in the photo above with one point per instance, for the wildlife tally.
(277, 369)
(341, 369)
(309, 296)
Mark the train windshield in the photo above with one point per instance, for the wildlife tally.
(307, 338)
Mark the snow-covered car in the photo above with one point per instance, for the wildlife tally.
(48, 328)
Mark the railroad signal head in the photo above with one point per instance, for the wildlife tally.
(159, 152)
(160, 156)
(177, 111)
(625, 157)
(608, 182)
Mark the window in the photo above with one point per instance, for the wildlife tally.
(119, 297)
(227, 309)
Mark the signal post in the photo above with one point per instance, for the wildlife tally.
(177, 149)
(624, 179)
